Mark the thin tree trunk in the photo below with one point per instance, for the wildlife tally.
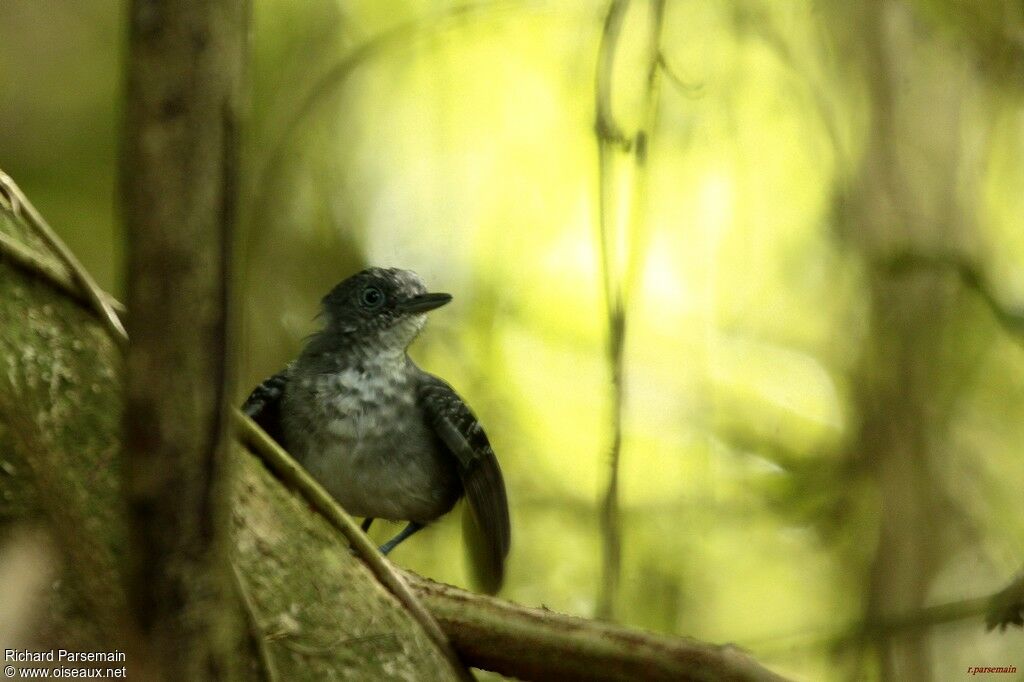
(179, 180)
(905, 200)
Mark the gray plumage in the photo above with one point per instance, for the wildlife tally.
(385, 438)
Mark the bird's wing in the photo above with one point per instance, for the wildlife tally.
(264, 404)
(488, 530)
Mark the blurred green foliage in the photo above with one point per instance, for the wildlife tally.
(813, 437)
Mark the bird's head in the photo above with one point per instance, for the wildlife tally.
(385, 307)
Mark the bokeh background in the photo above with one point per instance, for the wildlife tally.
(816, 256)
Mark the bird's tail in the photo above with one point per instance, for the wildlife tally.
(486, 557)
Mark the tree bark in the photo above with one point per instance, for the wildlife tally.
(179, 180)
(539, 644)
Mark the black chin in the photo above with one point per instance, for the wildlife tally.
(423, 303)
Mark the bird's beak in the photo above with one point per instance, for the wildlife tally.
(423, 303)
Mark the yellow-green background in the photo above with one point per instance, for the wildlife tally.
(810, 438)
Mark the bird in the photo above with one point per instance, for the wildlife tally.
(385, 438)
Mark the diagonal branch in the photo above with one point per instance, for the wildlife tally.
(291, 473)
(971, 276)
(21, 207)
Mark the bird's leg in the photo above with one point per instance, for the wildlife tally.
(406, 532)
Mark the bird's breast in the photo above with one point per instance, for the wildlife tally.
(365, 439)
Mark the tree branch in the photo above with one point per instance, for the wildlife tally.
(535, 644)
(1006, 607)
(971, 276)
(87, 287)
(291, 473)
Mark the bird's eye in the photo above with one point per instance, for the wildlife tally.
(372, 297)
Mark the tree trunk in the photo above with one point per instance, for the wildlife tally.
(179, 180)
